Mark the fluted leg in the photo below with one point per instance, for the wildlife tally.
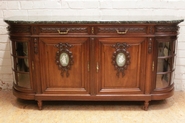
(146, 104)
(39, 103)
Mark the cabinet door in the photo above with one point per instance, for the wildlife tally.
(120, 65)
(64, 65)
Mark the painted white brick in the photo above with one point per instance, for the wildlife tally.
(64, 4)
(26, 4)
(136, 12)
(38, 5)
(181, 53)
(3, 4)
(4, 62)
(177, 4)
(105, 4)
(83, 4)
(181, 45)
(180, 70)
(181, 37)
(115, 12)
(41, 12)
(178, 85)
(65, 12)
(51, 4)
(89, 12)
(117, 4)
(180, 61)
(180, 76)
(4, 54)
(3, 30)
(162, 12)
(4, 38)
(2, 23)
(1, 14)
(9, 13)
(7, 77)
(5, 69)
(183, 86)
(12, 5)
(4, 47)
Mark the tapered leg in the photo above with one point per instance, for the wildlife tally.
(146, 104)
(39, 103)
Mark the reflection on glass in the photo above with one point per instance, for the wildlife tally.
(172, 78)
(162, 80)
(21, 49)
(14, 80)
(164, 65)
(22, 64)
(174, 62)
(164, 49)
(23, 80)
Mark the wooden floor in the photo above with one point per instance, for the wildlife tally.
(12, 110)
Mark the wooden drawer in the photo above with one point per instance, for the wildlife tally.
(121, 30)
(61, 30)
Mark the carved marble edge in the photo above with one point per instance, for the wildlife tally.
(92, 20)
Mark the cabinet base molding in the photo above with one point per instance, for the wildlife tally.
(64, 97)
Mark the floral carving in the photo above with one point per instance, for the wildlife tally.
(55, 29)
(167, 28)
(121, 49)
(64, 58)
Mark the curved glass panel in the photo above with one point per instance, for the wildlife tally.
(22, 64)
(166, 62)
(23, 80)
(165, 65)
(162, 80)
(64, 59)
(172, 77)
(120, 59)
(21, 49)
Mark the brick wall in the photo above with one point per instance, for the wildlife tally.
(89, 7)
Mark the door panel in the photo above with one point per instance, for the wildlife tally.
(108, 81)
(77, 80)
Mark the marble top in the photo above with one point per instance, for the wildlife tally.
(93, 19)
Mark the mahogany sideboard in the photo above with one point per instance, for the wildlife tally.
(93, 58)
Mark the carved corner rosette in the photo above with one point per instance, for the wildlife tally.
(64, 58)
(121, 58)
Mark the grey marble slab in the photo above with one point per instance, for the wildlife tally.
(93, 19)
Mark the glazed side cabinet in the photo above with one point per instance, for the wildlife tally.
(93, 60)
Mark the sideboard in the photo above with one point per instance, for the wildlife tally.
(93, 58)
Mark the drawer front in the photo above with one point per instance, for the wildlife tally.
(61, 30)
(121, 30)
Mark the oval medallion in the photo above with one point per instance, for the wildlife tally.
(64, 59)
(120, 59)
